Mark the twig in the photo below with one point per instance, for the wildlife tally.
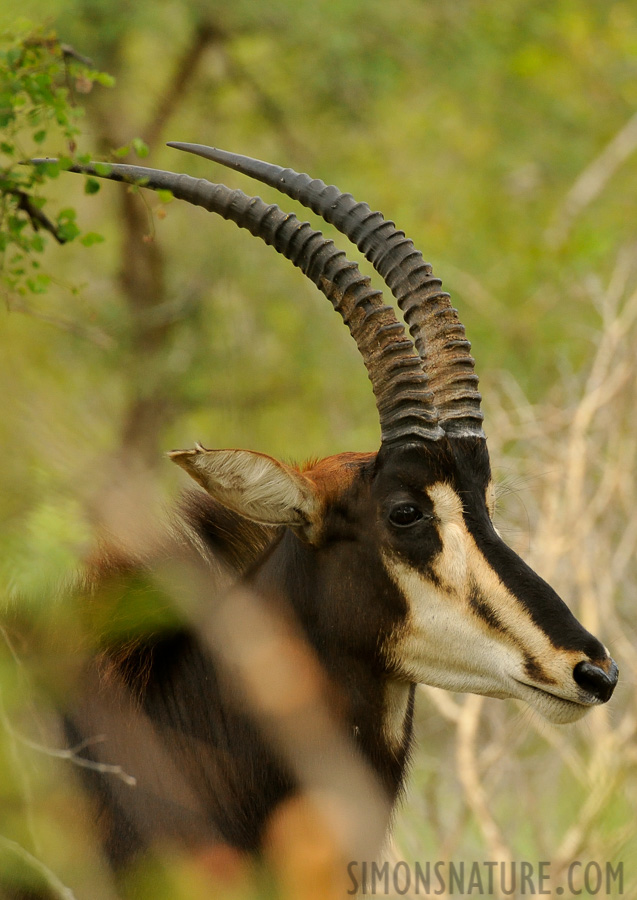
(22, 775)
(467, 767)
(36, 216)
(94, 335)
(71, 753)
(589, 816)
(65, 49)
(449, 708)
(49, 876)
(70, 53)
(592, 180)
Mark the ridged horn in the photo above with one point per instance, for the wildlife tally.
(434, 324)
(403, 399)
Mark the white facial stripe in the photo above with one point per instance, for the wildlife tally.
(514, 618)
(447, 643)
(451, 564)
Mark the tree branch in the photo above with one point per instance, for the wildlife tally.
(36, 216)
(204, 35)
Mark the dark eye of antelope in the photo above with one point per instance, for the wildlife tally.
(403, 515)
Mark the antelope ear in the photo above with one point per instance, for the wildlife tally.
(255, 485)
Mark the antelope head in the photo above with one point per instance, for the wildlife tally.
(414, 522)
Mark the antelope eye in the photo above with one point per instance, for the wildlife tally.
(405, 514)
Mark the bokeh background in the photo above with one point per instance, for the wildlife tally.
(502, 138)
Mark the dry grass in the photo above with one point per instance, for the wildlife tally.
(498, 783)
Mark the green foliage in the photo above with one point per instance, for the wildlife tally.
(137, 145)
(39, 81)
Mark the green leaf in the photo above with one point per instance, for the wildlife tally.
(39, 284)
(90, 238)
(49, 169)
(165, 196)
(68, 231)
(91, 186)
(40, 136)
(103, 78)
(140, 148)
(66, 227)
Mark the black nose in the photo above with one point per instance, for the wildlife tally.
(596, 681)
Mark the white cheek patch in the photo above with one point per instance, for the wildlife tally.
(465, 631)
(442, 643)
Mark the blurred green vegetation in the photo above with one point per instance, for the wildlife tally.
(466, 122)
(498, 135)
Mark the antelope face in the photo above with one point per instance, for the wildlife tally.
(479, 619)
(470, 615)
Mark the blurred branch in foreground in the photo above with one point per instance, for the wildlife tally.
(337, 813)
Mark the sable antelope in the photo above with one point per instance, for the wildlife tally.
(389, 561)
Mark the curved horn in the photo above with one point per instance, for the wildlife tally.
(403, 399)
(439, 335)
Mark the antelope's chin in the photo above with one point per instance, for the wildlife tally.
(554, 709)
